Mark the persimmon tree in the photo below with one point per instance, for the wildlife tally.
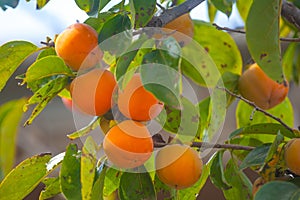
(130, 69)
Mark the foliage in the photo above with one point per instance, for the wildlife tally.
(211, 60)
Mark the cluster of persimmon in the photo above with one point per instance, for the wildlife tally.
(256, 86)
(128, 144)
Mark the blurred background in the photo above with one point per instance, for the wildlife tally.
(48, 132)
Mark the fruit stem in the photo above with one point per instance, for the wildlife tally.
(258, 109)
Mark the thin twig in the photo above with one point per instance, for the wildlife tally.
(206, 145)
(258, 108)
(244, 32)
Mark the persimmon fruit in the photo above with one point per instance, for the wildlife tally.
(67, 102)
(77, 45)
(292, 155)
(257, 87)
(179, 26)
(178, 166)
(92, 92)
(136, 103)
(128, 144)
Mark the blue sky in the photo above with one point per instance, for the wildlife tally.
(27, 23)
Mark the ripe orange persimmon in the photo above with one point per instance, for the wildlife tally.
(177, 27)
(78, 46)
(292, 155)
(67, 102)
(128, 144)
(136, 103)
(178, 166)
(256, 86)
(92, 92)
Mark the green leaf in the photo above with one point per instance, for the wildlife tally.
(278, 190)
(256, 157)
(243, 7)
(10, 3)
(10, 116)
(192, 192)
(217, 176)
(52, 188)
(133, 57)
(85, 130)
(98, 22)
(230, 81)
(204, 111)
(225, 52)
(241, 185)
(135, 186)
(115, 35)
(224, 6)
(212, 11)
(45, 69)
(112, 181)
(142, 11)
(284, 111)
(102, 4)
(46, 52)
(41, 3)
(87, 168)
(244, 141)
(70, 173)
(206, 63)
(44, 95)
(24, 177)
(98, 187)
(263, 37)
(158, 65)
(290, 62)
(12, 54)
(262, 128)
(274, 147)
(90, 6)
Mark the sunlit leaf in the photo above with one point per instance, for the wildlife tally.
(87, 168)
(10, 116)
(263, 37)
(142, 11)
(44, 95)
(28, 174)
(112, 181)
(224, 6)
(70, 173)
(46, 52)
(85, 130)
(45, 69)
(12, 54)
(52, 188)
(41, 3)
(262, 128)
(90, 6)
(243, 7)
(212, 11)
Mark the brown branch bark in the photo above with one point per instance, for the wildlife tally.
(291, 13)
(206, 145)
(170, 14)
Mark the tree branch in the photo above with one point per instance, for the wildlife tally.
(206, 145)
(170, 14)
(244, 32)
(291, 13)
(258, 109)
